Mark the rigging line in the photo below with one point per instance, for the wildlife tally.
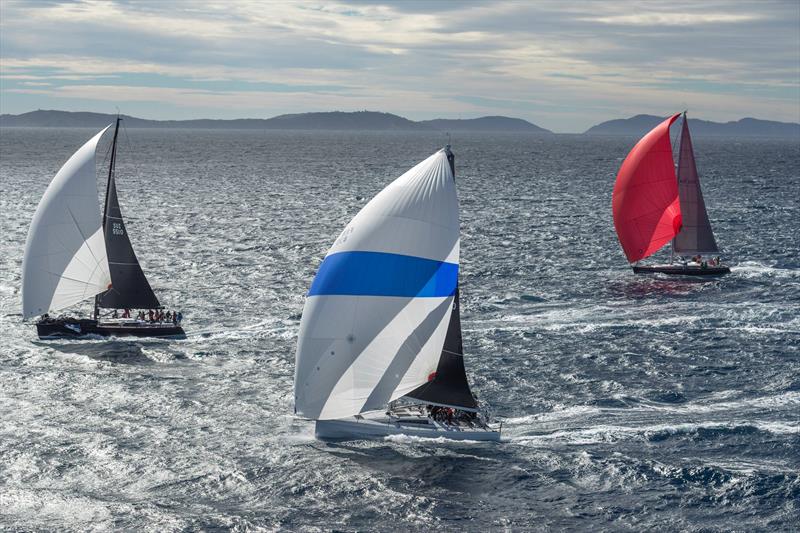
(85, 240)
(127, 139)
(87, 285)
(105, 158)
(675, 141)
(61, 276)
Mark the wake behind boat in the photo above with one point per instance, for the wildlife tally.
(653, 206)
(381, 322)
(72, 255)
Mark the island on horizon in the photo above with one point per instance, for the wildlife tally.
(636, 126)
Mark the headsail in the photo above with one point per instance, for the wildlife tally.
(129, 286)
(65, 256)
(647, 212)
(696, 236)
(378, 310)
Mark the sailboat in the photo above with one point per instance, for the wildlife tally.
(380, 350)
(73, 254)
(652, 206)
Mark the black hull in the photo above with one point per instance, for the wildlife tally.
(74, 328)
(681, 270)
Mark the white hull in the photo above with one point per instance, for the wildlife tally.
(380, 425)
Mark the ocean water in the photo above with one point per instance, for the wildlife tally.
(628, 402)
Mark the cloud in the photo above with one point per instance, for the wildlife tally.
(676, 19)
(563, 65)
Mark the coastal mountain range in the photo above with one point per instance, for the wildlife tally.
(333, 120)
(376, 121)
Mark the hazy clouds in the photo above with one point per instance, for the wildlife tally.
(562, 65)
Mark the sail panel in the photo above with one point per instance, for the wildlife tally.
(382, 274)
(696, 235)
(362, 345)
(129, 286)
(65, 257)
(645, 201)
(366, 351)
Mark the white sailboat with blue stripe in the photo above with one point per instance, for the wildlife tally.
(379, 351)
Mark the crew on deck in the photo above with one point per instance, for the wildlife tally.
(159, 316)
(450, 416)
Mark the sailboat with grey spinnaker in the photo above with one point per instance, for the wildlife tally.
(72, 254)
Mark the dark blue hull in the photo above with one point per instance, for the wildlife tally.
(681, 270)
(73, 328)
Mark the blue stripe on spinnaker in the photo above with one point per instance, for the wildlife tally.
(384, 274)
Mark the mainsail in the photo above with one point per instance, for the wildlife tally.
(647, 212)
(378, 311)
(129, 286)
(449, 385)
(65, 256)
(695, 236)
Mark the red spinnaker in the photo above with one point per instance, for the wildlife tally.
(647, 212)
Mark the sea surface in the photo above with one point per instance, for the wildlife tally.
(628, 403)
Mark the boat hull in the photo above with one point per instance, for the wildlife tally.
(682, 270)
(378, 428)
(74, 328)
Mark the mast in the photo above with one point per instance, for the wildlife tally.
(105, 202)
(678, 181)
(111, 169)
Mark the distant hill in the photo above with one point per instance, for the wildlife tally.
(484, 124)
(333, 120)
(746, 127)
(82, 119)
(340, 120)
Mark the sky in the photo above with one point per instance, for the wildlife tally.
(563, 65)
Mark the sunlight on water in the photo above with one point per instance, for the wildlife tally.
(629, 402)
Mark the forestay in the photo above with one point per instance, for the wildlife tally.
(696, 236)
(377, 313)
(65, 255)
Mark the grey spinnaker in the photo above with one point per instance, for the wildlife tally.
(695, 236)
(129, 286)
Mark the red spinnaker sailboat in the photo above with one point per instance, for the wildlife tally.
(653, 206)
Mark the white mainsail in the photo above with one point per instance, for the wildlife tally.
(377, 313)
(65, 253)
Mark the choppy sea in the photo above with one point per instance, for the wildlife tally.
(629, 403)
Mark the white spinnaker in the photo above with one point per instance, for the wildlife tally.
(65, 252)
(357, 352)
